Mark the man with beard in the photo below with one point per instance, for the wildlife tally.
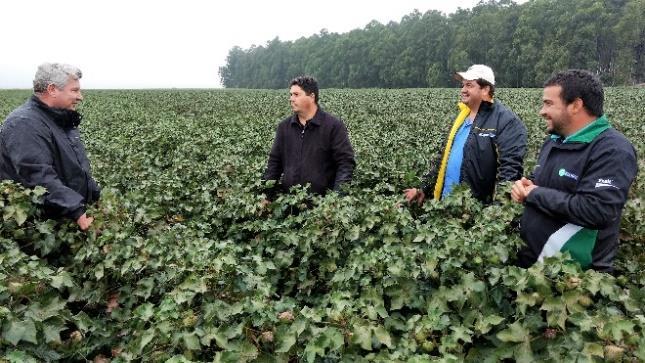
(574, 200)
(40, 144)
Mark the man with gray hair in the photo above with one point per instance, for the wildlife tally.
(40, 144)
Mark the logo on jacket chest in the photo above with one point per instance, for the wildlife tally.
(564, 173)
(482, 132)
(486, 134)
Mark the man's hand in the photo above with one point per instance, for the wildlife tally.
(413, 194)
(521, 189)
(84, 222)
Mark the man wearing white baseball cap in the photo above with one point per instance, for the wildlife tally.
(485, 145)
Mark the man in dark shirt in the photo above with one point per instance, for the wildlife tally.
(311, 146)
(40, 145)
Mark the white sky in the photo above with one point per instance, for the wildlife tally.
(164, 44)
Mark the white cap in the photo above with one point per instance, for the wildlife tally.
(477, 71)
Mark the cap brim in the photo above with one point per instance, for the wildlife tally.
(460, 76)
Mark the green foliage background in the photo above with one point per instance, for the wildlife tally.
(523, 43)
(202, 272)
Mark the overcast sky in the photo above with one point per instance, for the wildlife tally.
(164, 44)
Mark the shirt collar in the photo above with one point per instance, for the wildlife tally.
(588, 133)
(316, 120)
(63, 117)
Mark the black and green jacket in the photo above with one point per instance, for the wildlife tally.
(583, 182)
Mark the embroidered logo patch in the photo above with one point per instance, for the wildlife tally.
(486, 134)
(564, 172)
(606, 183)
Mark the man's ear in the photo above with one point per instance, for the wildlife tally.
(577, 105)
(51, 90)
(487, 89)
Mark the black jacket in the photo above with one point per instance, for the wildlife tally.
(318, 153)
(582, 187)
(40, 145)
(494, 152)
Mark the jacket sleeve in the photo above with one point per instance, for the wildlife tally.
(343, 155)
(601, 193)
(30, 152)
(511, 149)
(274, 167)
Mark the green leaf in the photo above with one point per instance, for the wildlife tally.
(362, 335)
(146, 338)
(62, 279)
(335, 338)
(461, 333)
(485, 324)
(556, 311)
(215, 334)
(298, 326)
(617, 329)
(179, 359)
(514, 333)
(20, 216)
(51, 331)
(640, 350)
(16, 331)
(285, 339)
(83, 321)
(227, 357)
(144, 287)
(285, 342)
(247, 351)
(382, 336)
(43, 311)
(315, 348)
(593, 349)
(144, 311)
(19, 356)
(191, 341)
(523, 353)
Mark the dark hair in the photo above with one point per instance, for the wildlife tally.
(483, 83)
(578, 83)
(308, 84)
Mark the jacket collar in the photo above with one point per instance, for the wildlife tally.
(486, 106)
(64, 118)
(588, 133)
(316, 120)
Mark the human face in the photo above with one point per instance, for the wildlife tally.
(555, 111)
(300, 100)
(471, 93)
(67, 97)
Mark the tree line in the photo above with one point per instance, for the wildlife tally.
(523, 43)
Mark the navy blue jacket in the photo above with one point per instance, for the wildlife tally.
(318, 153)
(42, 146)
(494, 152)
(583, 182)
